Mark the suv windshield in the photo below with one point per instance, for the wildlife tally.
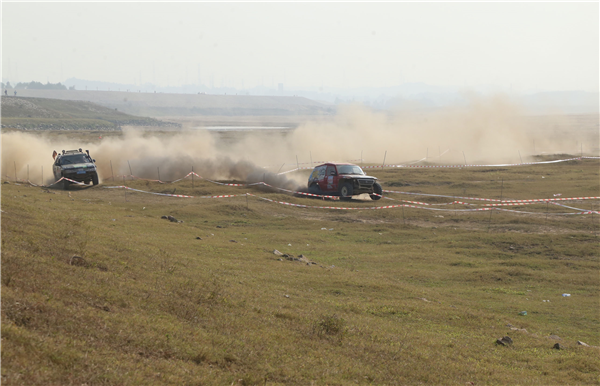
(73, 159)
(350, 169)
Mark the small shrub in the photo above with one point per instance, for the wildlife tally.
(330, 325)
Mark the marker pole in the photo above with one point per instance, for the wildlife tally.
(111, 171)
(403, 219)
(593, 223)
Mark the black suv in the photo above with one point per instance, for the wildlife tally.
(75, 165)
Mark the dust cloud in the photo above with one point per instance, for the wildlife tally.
(486, 130)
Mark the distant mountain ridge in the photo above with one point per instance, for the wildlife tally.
(164, 104)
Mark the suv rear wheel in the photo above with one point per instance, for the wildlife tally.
(346, 191)
(314, 189)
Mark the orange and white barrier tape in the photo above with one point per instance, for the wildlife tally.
(411, 165)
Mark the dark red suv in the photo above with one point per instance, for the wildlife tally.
(344, 180)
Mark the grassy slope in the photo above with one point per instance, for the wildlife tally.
(31, 112)
(154, 305)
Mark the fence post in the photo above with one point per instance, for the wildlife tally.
(403, 219)
(111, 171)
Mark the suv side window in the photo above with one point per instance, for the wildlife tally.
(330, 170)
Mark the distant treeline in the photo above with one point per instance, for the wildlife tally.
(36, 86)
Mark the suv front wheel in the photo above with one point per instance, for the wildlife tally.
(378, 190)
(346, 191)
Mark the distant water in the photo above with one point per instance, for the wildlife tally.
(242, 128)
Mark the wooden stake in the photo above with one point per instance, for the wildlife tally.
(593, 223)
(403, 219)
(158, 168)
(111, 171)
(465, 157)
(280, 168)
(520, 156)
(192, 176)
(130, 172)
(42, 175)
(384, 158)
(454, 206)
(15, 171)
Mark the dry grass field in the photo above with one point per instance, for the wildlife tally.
(394, 297)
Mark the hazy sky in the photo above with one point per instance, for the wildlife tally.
(531, 46)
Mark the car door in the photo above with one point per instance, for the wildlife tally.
(321, 177)
(330, 179)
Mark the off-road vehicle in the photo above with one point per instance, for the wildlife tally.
(344, 180)
(75, 165)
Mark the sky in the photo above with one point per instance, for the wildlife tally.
(517, 46)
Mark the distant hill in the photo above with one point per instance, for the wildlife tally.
(162, 104)
(56, 114)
